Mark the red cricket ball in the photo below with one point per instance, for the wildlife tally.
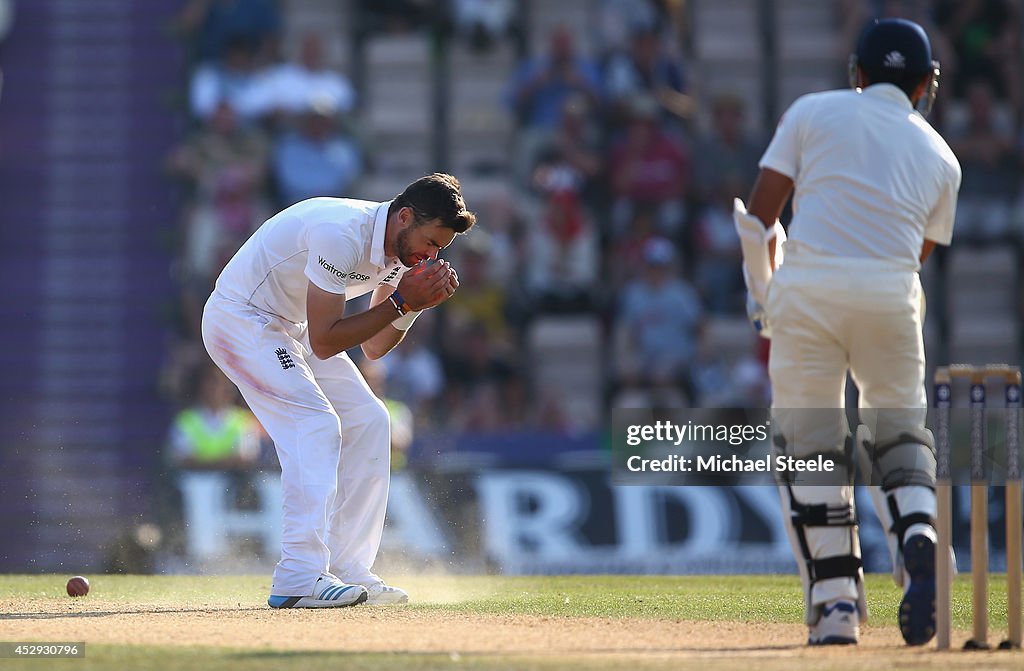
(78, 586)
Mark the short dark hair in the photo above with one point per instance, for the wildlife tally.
(436, 196)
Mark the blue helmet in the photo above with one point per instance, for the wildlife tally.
(896, 51)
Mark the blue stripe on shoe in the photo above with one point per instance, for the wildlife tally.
(844, 606)
(336, 592)
(282, 601)
(329, 593)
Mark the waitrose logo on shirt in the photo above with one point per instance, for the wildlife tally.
(359, 277)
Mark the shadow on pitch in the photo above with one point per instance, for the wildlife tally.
(110, 613)
(504, 654)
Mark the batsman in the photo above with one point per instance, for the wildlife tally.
(874, 190)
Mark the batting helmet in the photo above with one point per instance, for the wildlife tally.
(897, 51)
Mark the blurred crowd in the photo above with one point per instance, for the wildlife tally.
(617, 203)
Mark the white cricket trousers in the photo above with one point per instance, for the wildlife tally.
(332, 436)
(832, 314)
(828, 315)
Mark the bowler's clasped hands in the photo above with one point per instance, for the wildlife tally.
(428, 283)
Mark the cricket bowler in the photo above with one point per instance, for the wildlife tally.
(277, 325)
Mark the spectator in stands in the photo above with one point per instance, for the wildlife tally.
(218, 145)
(289, 87)
(985, 36)
(659, 323)
(729, 381)
(507, 241)
(415, 374)
(648, 165)
(541, 87)
(213, 24)
(728, 152)
(402, 430)
(216, 433)
(648, 69)
(479, 376)
(236, 79)
(220, 225)
(563, 244)
(718, 255)
(985, 146)
(316, 158)
(226, 166)
(624, 260)
(566, 177)
(574, 149)
(481, 296)
(503, 217)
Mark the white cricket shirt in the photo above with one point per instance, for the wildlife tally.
(335, 243)
(873, 178)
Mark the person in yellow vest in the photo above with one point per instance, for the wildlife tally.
(216, 433)
(401, 418)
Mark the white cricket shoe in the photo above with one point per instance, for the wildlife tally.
(839, 624)
(379, 594)
(328, 592)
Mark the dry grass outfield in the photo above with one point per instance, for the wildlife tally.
(489, 623)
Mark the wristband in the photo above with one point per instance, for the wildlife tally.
(398, 302)
(405, 321)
